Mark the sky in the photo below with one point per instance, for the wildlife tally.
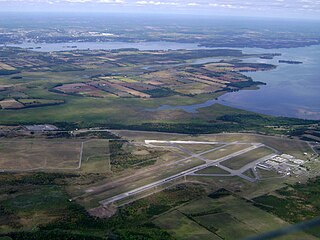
(262, 8)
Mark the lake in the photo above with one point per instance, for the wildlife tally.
(291, 90)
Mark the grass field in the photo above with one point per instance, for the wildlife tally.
(35, 154)
(268, 174)
(182, 227)
(225, 215)
(89, 156)
(225, 151)
(294, 203)
(212, 170)
(198, 148)
(225, 225)
(249, 173)
(96, 156)
(246, 158)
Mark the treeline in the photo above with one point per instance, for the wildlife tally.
(33, 178)
(179, 55)
(56, 234)
(256, 119)
(187, 128)
(8, 72)
(245, 84)
(226, 123)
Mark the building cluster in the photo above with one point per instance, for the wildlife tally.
(284, 164)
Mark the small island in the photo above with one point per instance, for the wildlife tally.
(290, 62)
(270, 56)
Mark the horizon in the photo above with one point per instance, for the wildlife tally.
(157, 15)
(278, 9)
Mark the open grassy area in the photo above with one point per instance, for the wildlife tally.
(268, 174)
(212, 170)
(181, 227)
(227, 150)
(225, 225)
(199, 148)
(225, 215)
(294, 203)
(36, 154)
(246, 158)
(96, 156)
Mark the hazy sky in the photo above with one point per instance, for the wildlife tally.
(264, 8)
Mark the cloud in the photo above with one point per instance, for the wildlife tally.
(156, 3)
(193, 4)
(280, 7)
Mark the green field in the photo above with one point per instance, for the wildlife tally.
(199, 148)
(212, 170)
(181, 227)
(225, 225)
(96, 156)
(227, 216)
(295, 203)
(227, 150)
(246, 158)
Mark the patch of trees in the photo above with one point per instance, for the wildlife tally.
(8, 72)
(33, 178)
(256, 119)
(56, 234)
(245, 84)
(121, 157)
(160, 92)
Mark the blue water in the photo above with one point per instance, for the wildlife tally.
(49, 47)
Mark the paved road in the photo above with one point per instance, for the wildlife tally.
(240, 171)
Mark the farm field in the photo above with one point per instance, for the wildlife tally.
(224, 215)
(294, 203)
(58, 87)
(181, 227)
